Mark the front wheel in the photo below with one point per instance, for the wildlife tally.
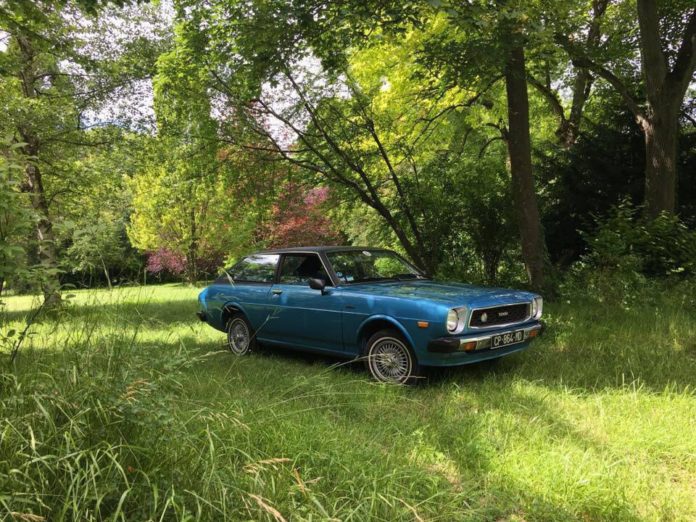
(389, 358)
(240, 336)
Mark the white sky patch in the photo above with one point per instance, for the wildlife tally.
(385, 84)
(4, 38)
(131, 104)
(284, 100)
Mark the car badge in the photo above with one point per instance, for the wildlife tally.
(484, 317)
(503, 314)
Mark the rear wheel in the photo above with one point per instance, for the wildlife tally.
(389, 358)
(240, 335)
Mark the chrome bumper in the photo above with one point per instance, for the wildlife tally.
(482, 342)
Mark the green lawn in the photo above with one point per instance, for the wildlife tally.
(124, 406)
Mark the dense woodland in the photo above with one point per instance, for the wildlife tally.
(487, 141)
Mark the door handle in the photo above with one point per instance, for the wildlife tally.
(276, 291)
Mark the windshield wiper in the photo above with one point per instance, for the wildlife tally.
(373, 279)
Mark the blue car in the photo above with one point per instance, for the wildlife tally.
(368, 303)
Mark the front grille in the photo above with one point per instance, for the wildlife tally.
(497, 315)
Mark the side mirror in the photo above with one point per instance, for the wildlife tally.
(317, 284)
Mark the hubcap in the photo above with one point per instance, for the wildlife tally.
(389, 360)
(238, 337)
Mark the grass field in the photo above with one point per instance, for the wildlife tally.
(124, 406)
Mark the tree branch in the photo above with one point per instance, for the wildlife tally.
(580, 60)
(685, 64)
(550, 96)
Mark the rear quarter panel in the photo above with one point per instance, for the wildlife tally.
(250, 299)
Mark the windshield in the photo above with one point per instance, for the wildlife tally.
(359, 266)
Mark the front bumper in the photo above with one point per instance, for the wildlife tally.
(479, 342)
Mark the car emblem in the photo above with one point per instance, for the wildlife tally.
(503, 314)
(484, 317)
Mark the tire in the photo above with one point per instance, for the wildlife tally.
(389, 358)
(241, 339)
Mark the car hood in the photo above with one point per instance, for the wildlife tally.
(449, 294)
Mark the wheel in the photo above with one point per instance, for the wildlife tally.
(240, 335)
(389, 359)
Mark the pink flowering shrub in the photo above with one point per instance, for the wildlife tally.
(163, 260)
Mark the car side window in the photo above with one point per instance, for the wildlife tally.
(347, 267)
(257, 268)
(296, 269)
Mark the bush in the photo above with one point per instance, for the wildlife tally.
(627, 252)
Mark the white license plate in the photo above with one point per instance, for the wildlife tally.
(506, 339)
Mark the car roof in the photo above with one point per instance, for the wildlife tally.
(316, 249)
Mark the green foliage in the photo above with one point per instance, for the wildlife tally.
(626, 251)
(16, 217)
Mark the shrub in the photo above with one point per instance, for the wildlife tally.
(626, 251)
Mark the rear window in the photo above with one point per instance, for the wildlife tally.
(257, 268)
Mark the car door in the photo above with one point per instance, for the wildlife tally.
(248, 286)
(301, 316)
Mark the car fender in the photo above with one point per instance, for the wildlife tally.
(386, 318)
(234, 306)
(219, 321)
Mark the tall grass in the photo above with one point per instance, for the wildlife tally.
(125, 407)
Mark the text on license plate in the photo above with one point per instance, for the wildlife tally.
(498, 341)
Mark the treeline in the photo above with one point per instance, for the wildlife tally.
(502, 142)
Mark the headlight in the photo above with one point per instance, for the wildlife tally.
(452, 321)
(455, 319)
(537, 307)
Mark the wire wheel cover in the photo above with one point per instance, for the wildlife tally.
(390, 360)
(238, 336)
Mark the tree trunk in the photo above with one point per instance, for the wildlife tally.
(661, 131)
(46, 245)
(491, 261)
(583, 79)
(665, 86)
(192, 254)
(520, 152)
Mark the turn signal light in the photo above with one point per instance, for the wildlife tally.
(423, 324)
(467, 347)
(533, 333)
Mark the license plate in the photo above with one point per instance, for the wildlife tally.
(506, 339)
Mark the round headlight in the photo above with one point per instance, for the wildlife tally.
(537, 307)
(452, 320)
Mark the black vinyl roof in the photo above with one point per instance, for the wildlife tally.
(324, 248)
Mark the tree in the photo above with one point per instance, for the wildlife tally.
(180, 206)
(16, 219)
(51, 82)
(667, 47)
(331, 122)
(489, 41)
(520, 152)
(299, 218)
(551, 70)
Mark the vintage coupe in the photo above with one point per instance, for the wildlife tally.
(369, 303)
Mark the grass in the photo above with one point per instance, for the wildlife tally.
(124, 407)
